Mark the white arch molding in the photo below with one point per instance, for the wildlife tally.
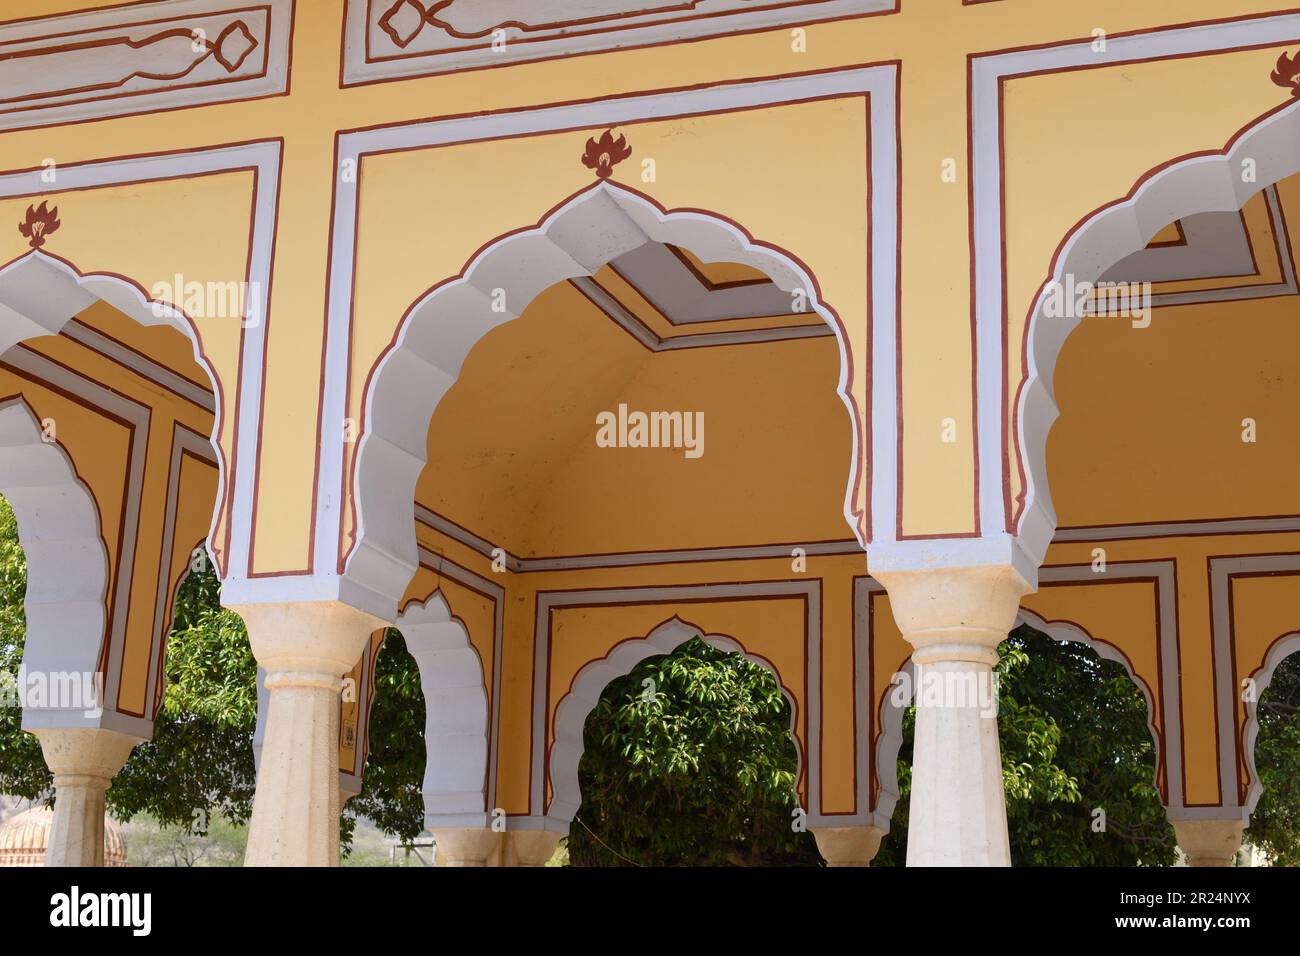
(589, 683)
(594, 226)
(1204, 182)
(891, 717)
(40, 293)
(1281, 649)
(456, 722)
(67, 561)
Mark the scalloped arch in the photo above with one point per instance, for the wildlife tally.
(67, 561)
(1201, 182)
(40, 293)
(1282, 648)
(456, 722)
(590, 682)
(408, 381)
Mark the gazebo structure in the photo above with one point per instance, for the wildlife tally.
(843, 334)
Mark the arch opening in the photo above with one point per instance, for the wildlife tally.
(54, 318)
(41, 294)
(595, 227)
(588, 686)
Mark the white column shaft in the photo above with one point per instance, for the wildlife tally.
(954, 618)
(957, 815)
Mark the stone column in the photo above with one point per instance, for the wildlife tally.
(468, 846)
(305, 649)
(529, 847)
(848, 846)
(83, 761)
(1209, 842)
(954, 619)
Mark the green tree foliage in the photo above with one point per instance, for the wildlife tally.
(1275, 824)
(696, 768)
(151, 845)
(1074, 738)
(202, 746)
(390, 794)
(22, 767)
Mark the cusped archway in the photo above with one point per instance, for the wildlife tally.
(41, 293)
(67, 560)
(1263, 153)
(590, 682)
(579, 237)
(78, 616)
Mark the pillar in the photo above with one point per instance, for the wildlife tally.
(467, 846)
(848, 846)
(83, 761)
(305, 649)
(1209, 842)
(954, 619)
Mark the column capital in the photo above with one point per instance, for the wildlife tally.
(955, 614)
(467, 846)
(530, 847)
(84, 752)
(1209, 842)
(848, 846)
(307, 637)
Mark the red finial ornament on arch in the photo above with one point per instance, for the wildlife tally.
(1287, 73)
(39, 223)
(605, 153)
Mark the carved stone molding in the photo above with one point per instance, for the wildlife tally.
(141, 58)
(390, 39)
